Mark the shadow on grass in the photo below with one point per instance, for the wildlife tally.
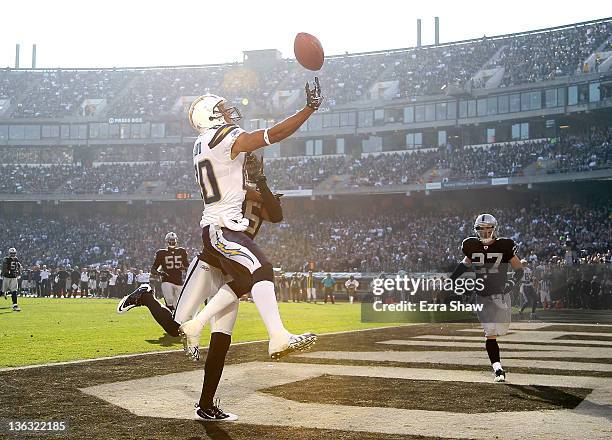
(165, 341)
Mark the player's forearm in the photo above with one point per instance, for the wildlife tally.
(459, 270)
(287, 127)
(271, 204)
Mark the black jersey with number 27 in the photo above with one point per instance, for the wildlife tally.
(490, 262)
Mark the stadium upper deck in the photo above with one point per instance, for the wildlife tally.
(488, 62)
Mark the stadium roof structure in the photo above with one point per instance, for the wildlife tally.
(354, 54)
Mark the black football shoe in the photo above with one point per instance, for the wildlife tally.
(134, 299)
(500, 376)
(214, 414)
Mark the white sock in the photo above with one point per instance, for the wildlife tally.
(265, 301)
(496, 366)
(217, 303)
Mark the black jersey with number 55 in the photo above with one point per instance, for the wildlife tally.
(172, 261)
(11, 267)
(253, 212)
(490, 262)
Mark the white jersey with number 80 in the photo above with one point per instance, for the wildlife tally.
(220, 178)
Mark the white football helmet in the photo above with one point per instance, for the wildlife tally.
(13, 252)
(485, 227)
(208, 111)
(171, 239)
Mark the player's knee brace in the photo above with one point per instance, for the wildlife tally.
(264, 273)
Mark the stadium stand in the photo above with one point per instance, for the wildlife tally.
(371, 242)
(526, 57)
(568, 153)
(368, 240)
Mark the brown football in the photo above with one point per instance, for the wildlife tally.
(308, 51)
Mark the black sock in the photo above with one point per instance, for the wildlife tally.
(215, 360)
(161, 314)
(492, 350)
(14, 297)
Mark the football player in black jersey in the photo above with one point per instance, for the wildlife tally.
(489, 256)
(259, 205)
(11, 269)
(173, 262)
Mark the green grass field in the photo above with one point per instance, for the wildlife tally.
(55, 330)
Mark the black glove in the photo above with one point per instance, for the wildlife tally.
(510, 286)
(314, 97)
(254, 168)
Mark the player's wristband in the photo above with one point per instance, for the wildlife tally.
(266, 138)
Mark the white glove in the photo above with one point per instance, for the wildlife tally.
(234, 224)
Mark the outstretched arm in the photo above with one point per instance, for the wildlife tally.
(251, 141)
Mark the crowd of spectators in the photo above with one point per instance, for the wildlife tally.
(413, 241)
(575, 153)
(426, 71)
(390, 169)
(346, 78)
(550, 54)
(60, 93)
(302, 172)
(118, 178)
(566, 153)
(95, 239)
(498, 160)
(372, 241)
(23, 179)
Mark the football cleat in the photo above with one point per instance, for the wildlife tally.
(134, 299)
(190, 335)
(16, 308)
(214, 414)
(292, 343)
(500, 376)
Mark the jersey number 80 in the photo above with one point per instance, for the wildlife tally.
(209, 188)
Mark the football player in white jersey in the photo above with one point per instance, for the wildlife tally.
(260, 205)
(528, 291)
(218, 157)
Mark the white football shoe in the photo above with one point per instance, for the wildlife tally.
(281, 346)
(190, 335)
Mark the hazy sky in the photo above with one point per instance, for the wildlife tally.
(110, 33)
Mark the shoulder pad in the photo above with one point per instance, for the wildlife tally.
(220, 134)
(507, 241)
(470, 241)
